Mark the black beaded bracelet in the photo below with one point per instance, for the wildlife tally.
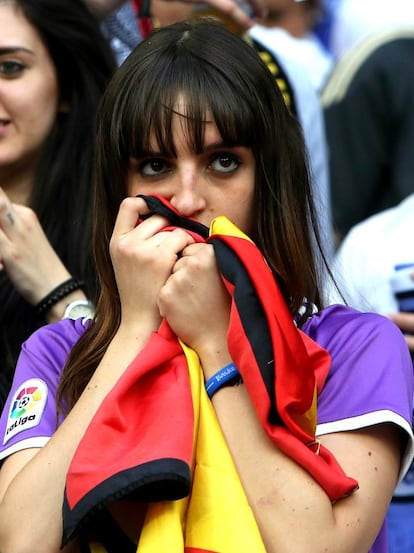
(58, 293)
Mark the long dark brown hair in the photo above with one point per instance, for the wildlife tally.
(217, 71)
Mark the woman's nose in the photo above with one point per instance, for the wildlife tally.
(188, 198)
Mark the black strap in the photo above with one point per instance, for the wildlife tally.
(58, 293)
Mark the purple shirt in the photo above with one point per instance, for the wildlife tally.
(370, 381)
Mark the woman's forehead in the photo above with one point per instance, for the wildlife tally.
(183, 129)
(183, 107)
(189, 115)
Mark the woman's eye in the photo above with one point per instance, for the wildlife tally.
(153, 167)
(225, 163)
(11, 67)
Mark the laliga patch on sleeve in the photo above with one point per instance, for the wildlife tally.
(26, 408)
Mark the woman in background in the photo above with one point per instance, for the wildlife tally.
(54, 66)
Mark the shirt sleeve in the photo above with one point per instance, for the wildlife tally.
(371, 376)
(29, 417)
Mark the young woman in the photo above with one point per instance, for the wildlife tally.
(201, 124)
(54, 65)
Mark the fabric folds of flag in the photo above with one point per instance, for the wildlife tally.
(156, 438)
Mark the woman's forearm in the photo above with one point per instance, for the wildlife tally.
(36, 491)
(292, 511)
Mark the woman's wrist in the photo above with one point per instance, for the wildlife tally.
(213, 355)
(226, 376)
(58, 293)
(58, 310)
(55, 303)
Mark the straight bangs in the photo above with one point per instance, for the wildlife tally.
(198, 94)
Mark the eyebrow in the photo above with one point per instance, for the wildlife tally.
(207, 148)
(217, 145)
(15, 49)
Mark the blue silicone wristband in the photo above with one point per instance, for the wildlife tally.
(221, 378)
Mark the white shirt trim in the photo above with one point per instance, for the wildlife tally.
(37, 442)
(373, 419)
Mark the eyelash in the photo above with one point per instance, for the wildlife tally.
(233, 159)
(166, 168)
(16, 66)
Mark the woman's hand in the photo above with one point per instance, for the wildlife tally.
(241, 12)
(196, 303)
(102, 8)
(143, 258)
(26, 254)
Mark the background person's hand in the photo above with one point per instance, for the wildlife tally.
(242, 12)
(102, 8)
(26, 254)
(405, 321)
